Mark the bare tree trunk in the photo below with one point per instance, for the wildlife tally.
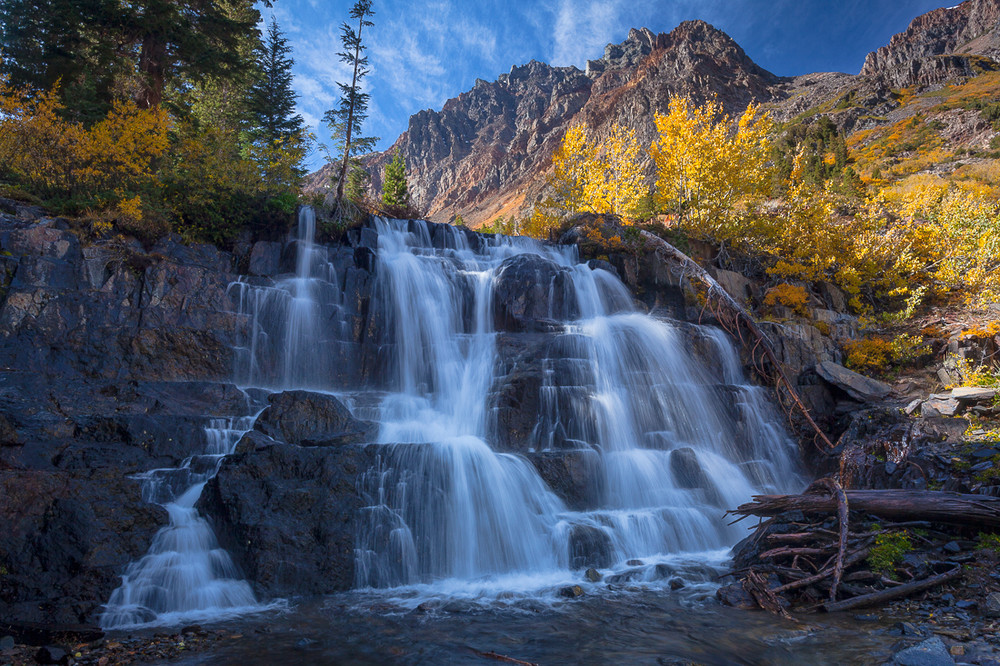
(931, 505)
(350, 115)
(152, 63)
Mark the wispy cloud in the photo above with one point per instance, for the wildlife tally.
(583, 28)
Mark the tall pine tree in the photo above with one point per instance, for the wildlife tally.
(346, 120)
(276, 131)
(272, 99)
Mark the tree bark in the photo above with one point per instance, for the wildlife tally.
(930, 505)
(892, 592)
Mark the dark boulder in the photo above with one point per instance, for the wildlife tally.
(287, 515)
(589, 548)
(575, 476)
(531, 293)
(312, 419)
(688, 473)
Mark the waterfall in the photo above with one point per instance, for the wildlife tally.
(670, 443)
(186, 576)
(656, 414)
(293, 323)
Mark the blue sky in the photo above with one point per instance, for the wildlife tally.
(425, 52)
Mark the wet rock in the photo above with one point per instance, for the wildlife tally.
(530, 292)
(593, 575)
(6, 643)
(305, 418)
(589, 547)
(253, 441)
(635, 563)
(286, 514)
(931, 652)
(626, 576)
(688, 473)
(952, 547)
(676, 584)
(572, 475)
(571, 591)
(859, 387)
(735, 596)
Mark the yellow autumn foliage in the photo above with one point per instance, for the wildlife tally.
(710, 171)
(590, 176)
(94, 167)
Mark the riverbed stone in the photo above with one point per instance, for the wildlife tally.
(931, 652)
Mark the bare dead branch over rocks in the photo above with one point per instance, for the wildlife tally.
(737, 320)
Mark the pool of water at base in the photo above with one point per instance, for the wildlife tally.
(626, 627)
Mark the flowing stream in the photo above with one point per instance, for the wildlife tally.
(666, 442)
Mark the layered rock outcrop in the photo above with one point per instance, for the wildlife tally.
(116, 358)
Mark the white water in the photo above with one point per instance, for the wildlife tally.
(185, 576)
(449, 512)
(670, 443)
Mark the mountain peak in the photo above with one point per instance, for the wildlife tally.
(914, 56)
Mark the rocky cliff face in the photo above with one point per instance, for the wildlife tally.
(937, 45)
(114, 359)
(487, 151)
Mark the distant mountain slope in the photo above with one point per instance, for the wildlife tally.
(485, 153)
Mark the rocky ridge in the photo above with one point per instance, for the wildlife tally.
(486, 152)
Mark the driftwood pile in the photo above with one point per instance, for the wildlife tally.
(815, 550)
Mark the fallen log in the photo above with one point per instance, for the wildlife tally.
(905, 505)
(732, 316)
(897, 592)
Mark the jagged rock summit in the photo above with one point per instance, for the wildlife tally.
(486, 152)
(939, 45)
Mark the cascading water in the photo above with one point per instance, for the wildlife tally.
(294, 324)
(185, 576)
(669, 445)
